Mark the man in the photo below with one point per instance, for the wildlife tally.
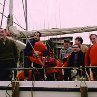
(91, 56)
(8, 56)
(66, 51)
(34, 52)
(79, 41)
(64, 55)
(76, 60)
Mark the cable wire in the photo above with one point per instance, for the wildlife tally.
(14, 22)
(2, 14)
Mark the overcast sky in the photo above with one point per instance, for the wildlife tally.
(44, 14)
(58, 13)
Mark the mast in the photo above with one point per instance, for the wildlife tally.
(10, 16)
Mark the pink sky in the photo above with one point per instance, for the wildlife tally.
(44, 14)
(55, 13)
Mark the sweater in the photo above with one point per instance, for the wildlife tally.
(8, 51)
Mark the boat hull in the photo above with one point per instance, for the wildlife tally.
(48, 88)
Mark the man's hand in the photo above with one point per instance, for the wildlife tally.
(37, 53)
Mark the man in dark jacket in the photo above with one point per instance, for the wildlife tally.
(8, 56)
(76, 60)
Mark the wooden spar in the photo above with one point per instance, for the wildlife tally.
(55, 31)
(26, 15)
(10, 16)
(61, 31)
(45, 32)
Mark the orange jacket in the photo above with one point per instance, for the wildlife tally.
(41, 48)
(87, 57)
(56, 63)
(93, 55)
(21, 76)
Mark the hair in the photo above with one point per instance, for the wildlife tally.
(66, 40)
(2, 29)
(92, 35)
(38, 32)
(79, 39)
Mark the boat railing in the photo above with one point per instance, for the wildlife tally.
(31, 68)
(83, 72)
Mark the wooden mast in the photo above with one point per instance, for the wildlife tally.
(10, 16)
(26, 16)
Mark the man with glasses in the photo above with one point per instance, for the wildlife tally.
(8, 56)
(76, 60)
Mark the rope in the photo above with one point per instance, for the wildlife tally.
(13, 22)
(7, 91)
(1, 4)
(2, 13)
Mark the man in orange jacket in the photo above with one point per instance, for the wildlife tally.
(91, 56)
(34, 52)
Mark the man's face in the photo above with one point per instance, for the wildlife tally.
(93, 39)
(2, 34)
(76, 48)
(36, 36)
(77, 42)
(66, 44)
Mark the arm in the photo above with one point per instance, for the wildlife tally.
(16, 52)
(28, 49)
(87, 59)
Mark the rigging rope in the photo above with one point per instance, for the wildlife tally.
(14, 22)
(1, 4)
(2, 14)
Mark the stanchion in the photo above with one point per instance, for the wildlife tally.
(83, 89)
(15, 89)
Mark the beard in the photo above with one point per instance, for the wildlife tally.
(36, 39)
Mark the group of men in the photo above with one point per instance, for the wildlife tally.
(81, 56)
(35, 54)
